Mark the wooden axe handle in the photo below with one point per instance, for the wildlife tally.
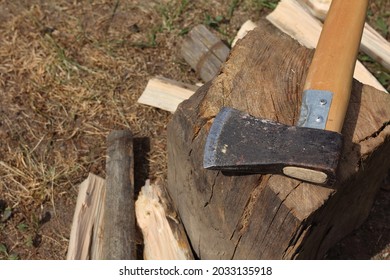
(334, 60)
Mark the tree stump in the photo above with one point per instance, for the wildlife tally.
(271, 216)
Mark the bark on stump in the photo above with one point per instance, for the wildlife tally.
(271, 216)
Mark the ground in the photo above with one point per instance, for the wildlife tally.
(72, 71)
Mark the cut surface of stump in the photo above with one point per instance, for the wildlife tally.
(271, 216)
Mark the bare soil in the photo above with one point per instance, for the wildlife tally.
(72, 71)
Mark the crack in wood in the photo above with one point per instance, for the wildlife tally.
(212, 190)
(190, 153)
(196, 131)
(323, 239)
(199, 248)
(376, 133)
(292, 190)
(242, 223)
(297, 244)
(274, 107)
(235, 248)
(293, 241)
(203, 121)
(277, 211)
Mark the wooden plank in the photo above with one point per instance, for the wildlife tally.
(318, 8)
(162, 230)
(204, 52)
(373, 44)
(166, 94)
(85, 235)
(271, 216)
(290, 17)
(119, 216)
(377, 47)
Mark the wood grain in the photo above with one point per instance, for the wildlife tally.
(166, 94)
(204, 51)
(86, 233)
(119, 215)
(162, 230)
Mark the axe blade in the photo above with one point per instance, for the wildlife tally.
(238, 142)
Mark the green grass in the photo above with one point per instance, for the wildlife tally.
(268, 4)
(171, 13)
(6, 255)
(232, 7)
(378, 16)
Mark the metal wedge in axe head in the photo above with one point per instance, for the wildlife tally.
(309, 151)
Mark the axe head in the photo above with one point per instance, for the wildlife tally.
(238, 142)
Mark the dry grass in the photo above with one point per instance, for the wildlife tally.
(68, 78)
(70, 72)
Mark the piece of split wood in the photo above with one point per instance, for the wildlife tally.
(245, 28)
(291, 18)
(318, 8)
(163, 233)
(119, 224)
(204, 52)
(377, 47)
(86, 233)
(373, 44)
(165, 93)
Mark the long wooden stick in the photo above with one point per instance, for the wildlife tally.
(119, 215)
(334, 60)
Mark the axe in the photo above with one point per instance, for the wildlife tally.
(309, 151)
